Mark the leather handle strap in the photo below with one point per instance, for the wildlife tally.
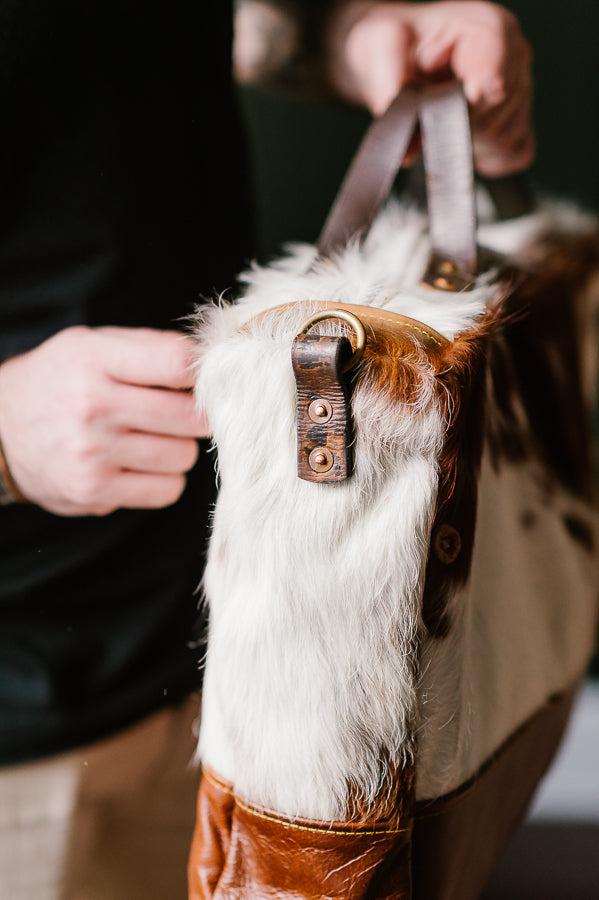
(449, 170)
(443, 114)
(371, 173)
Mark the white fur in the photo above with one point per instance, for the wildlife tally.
(310, 666)
(385, 272)
(315, 590)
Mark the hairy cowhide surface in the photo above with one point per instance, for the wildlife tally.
(342, 656)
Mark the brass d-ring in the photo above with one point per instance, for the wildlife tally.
(348, 317)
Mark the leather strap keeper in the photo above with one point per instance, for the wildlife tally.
(323, 411)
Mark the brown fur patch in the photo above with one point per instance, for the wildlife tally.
(394, 803)
(537, 360)
(461, 390)
(514, 380)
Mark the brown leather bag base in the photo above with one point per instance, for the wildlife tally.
(466, 832)
(241, 851)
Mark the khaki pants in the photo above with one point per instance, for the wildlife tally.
(112, 821)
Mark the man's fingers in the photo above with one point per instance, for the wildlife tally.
(137, 490)
(145, 356)
(504, 139)
(153, 453)
(389, 45)
(494, 160)
(380, 57)
(157, 411)
(514, 86)
(513, 114)
(86, 431)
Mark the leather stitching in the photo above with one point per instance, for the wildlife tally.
(293, 825)
(220, 785)
(323, 830)
(415, 328)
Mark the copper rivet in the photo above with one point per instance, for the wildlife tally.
(447, 543)
(320, 411)
(447, 267)
(444, 284)
(321, 459)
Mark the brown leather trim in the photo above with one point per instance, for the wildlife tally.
(217, 782)
(347, 829)
(242, 851)
(381, 321)
(211, 838)
(449, 850)
(466, 832)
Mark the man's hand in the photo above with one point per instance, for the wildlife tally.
(376, 48)
(97, 419)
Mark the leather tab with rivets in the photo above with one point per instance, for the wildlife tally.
(324, 428)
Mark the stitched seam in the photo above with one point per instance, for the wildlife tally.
(253, 812)
(217, 784)
(415, 328)
(371, 318)
(387, 320)
(324, 831)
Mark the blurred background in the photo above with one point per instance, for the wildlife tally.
(301, 147)
(300, 150)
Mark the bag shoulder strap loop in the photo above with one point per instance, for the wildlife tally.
(443, 115)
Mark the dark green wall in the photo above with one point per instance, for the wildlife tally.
(300, 150)
(565, 38)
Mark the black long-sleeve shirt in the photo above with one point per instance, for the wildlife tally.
(123, 201)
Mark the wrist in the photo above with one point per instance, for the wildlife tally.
(9, 491)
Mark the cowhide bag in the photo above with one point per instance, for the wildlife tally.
(402, 575)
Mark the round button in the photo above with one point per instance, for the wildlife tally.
(447, 544)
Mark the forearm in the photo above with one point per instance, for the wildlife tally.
(281, 44)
